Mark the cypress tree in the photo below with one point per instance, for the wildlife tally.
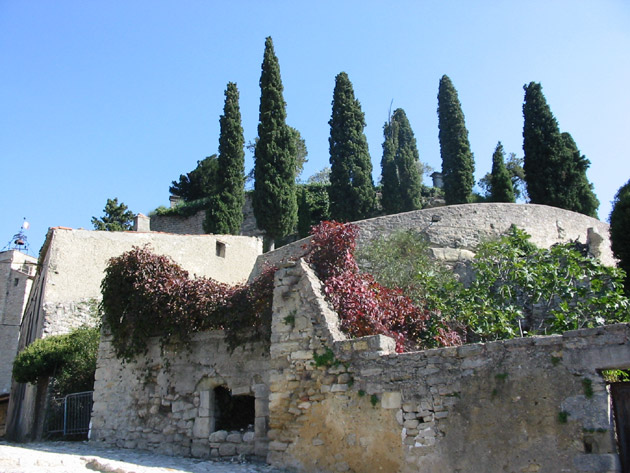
(275, 202)
(543, 148)
(555, 171)
(351, 190)
(401, 176)
(390, 181)
(581, 197)
(225, 214)
(501, 189)
(620, 230)
(458, 163)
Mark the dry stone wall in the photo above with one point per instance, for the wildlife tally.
(166, 401)
(193, 224)
(455, 231)
(354, 405)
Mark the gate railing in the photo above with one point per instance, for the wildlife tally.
(69, 415)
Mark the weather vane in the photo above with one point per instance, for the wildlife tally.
(19, 240)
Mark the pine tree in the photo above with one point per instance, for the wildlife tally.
(620, 230)
(555, 171)
(225, 214)
(275, 202)
(117, 217)
(501, 189)
(199, 183)
(351, 190)
(401, 175)
(458, 163)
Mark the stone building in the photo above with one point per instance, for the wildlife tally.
(16, 277)
(66, 291)
(319, 402)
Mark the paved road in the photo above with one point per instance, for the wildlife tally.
(71, 457)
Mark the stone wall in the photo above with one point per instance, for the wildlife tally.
(67, 288)
(167, 403)
(524, 405)
(193, 224)
(328, 404)
(16, 278)
(454, 231)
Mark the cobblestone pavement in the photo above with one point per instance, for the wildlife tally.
(71, 457)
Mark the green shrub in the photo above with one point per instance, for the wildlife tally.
(70, 359)
(523, 290)
(518, 289)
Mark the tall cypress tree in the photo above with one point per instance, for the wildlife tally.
(390, 180)
(458, 163)
(225, 214)
(501, 188)
(351, 190)
(620, 230)
(275, 202)
(581, 197)
(555, 172)
(401, 176)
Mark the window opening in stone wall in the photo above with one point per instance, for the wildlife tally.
(233, 412)
(220, 249)
(619, 387)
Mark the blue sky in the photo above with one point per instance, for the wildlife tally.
(118, 98)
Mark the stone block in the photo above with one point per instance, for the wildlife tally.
(218, 436)
(602, 463)
(391, 400)
(234, 437)
(200, 449)
(227, 450)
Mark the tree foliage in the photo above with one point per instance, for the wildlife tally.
(117, 217)
(401, 168)
(69, 358)
(620, 230)
(199, 183)
(314, 207)
(501, 189)
(458, 163)
(555, 171)
(366, 307)
(514, 167)
(225, 212)
(352, 194)
(301, 153)
(275, 202)
(518, 288)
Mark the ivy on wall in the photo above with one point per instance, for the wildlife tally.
(146, 295)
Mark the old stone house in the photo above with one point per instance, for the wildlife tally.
(319, 402)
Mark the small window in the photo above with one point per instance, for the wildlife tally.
(220, 249)
(233, 412)
(16, 281)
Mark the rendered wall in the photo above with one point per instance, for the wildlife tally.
(166, 403)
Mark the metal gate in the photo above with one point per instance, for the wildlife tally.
(69, 415)
(620, 394)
